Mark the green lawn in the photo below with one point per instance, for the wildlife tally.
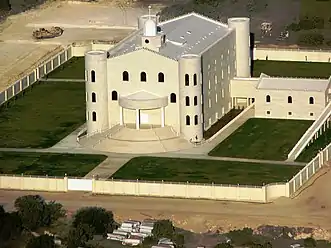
(269, 139)
(292, 69)
(311, 151)
(72, 69)
(75, 165)
(204, 171)
(316, 8)
(46, 113)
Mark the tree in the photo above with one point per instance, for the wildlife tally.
(224, 245)
(99, 219)
(43, 241)
(10, 226)
(35, 212)
(79, 236)
(311, 39)
(267, 245)
(179, 240)
(163, 229)
(242, 237)
(309, 243)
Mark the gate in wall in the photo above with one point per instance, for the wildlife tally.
(75, 184)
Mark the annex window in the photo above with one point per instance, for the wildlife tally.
(187, 101)
(173, 98)
(196, 120)
(187, 80)
(268, 112)
(94, 97)
(188, 120)
(195, 101)
(311, 100)
(114, 95)
(289, 99)
(268, 98)
(94, 116)
(289, 113)
(311, 114)
(93, 76)
(160, 77)
(125, 76)
(195, 79)
(143, 77)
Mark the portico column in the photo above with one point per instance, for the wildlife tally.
(121, 116)
(137, 118)
(162, 117)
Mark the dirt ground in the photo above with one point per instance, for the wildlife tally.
(310, 209)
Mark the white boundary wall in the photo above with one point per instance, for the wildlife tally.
(302, 55)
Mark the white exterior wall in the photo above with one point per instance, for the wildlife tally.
(243, 60)
(96, 61)
(301, 55)
(244, 87)
(190, 65)
(218, 68)
(151, 63)
(280, 108)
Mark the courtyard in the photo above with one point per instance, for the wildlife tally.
(50, 164)
(268, 139)
(204, 171)
(42, 115)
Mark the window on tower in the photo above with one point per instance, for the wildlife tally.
(93, 76)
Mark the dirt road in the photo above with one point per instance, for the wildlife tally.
(310, 209)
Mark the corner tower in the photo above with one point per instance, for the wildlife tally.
(96, 91)
(190, 97)
(243, 60)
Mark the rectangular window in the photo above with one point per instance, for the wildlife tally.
(222, 93)
(209, 103)
(216, 96)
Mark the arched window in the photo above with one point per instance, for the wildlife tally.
(311, 100)
(160, 77)
(94, 116)
(289, 99)
(196, 120)
(188, 120)
(143, 77)
(94, 97)
(173, 98)
(125, 76)
(268, 98)
(187, 101)
(195, 79)
(114, 95)
(187, 80)
(93, 76)
(195, 101)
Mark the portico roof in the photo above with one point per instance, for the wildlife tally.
(143, 100)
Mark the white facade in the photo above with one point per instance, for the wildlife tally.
(186, 73)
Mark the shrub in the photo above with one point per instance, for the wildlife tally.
(311, 39)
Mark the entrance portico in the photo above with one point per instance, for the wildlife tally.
(142, 100)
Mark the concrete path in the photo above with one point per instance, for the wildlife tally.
(71, 140)
(62, 80)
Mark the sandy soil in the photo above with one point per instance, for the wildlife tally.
(19, 52)
(310, 209)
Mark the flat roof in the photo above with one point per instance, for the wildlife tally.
(188, 34)
(295, 84)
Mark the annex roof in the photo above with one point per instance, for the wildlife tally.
(295, 84)
(142, 95)
(188, 34)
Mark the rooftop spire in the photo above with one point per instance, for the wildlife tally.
(149, 11)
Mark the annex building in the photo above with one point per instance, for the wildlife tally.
(182, 75)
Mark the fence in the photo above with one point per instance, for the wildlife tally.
(309, 170)
(41, 70)
(303, 55)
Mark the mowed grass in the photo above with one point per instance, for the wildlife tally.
(268, 139)
(72, 69)
(204, 171)
(311, 151)
(292, 69)
(51, 164)
(47, 113)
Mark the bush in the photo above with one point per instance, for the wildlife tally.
(312, 39)
(43, 241)
(163, 229)
(310, 243)
(328, 43)
(242, 237)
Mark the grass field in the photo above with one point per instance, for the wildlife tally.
(75, 165)
(268, 139)
(72, 69)
(311, 151)
(204, 171)
(46, 113)
(292, 69)
(316, 8)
